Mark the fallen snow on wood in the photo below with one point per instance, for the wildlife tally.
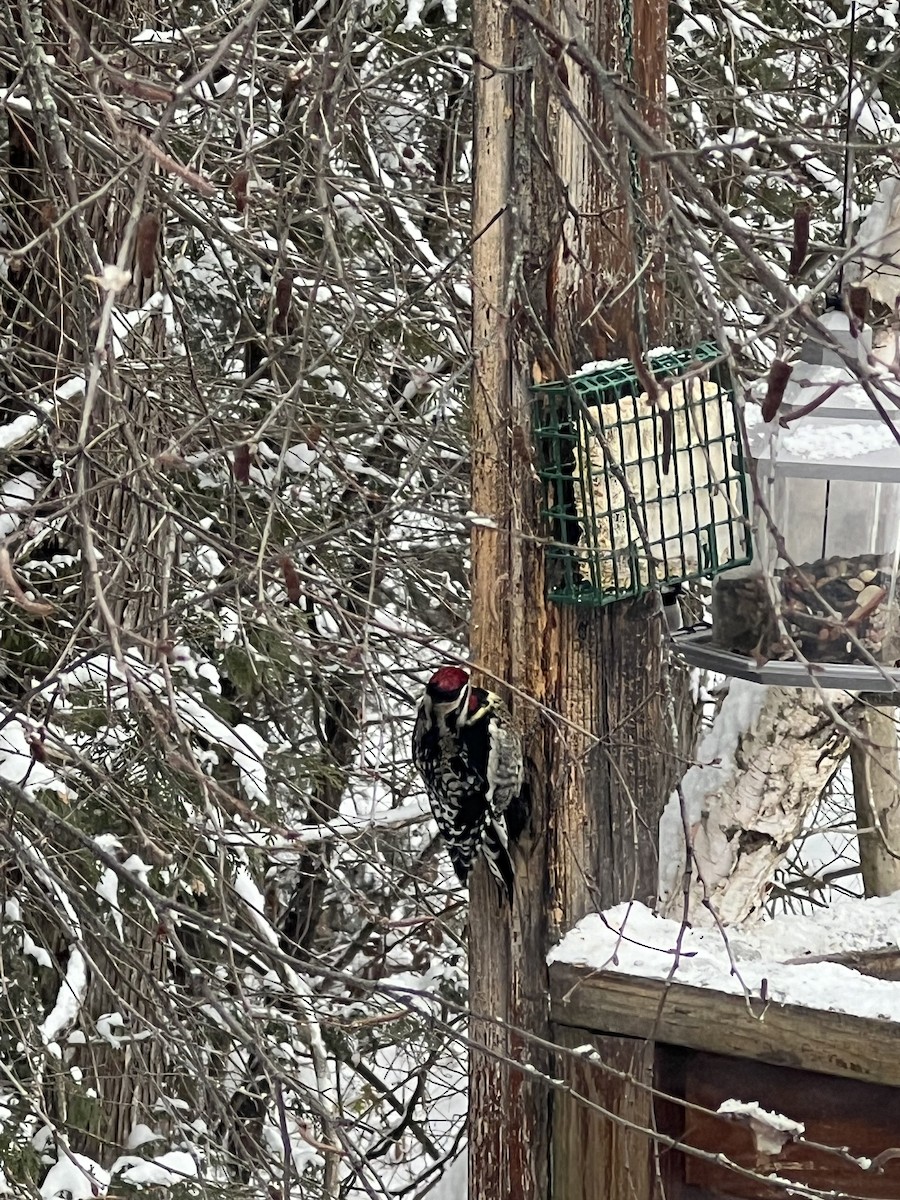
(630, 940)
(771, 1131)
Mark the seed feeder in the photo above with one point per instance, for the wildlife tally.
(819, 602)
(643, 480)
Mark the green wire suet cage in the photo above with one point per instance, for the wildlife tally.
(641, 491)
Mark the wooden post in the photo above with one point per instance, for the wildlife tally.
(558, 245)
(875, 762)
(512, 642)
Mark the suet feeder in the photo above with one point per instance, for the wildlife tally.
(819, 603)
(644, 481)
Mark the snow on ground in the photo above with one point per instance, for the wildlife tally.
(631, 940)
(454, 1183)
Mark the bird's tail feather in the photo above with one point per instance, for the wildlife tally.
(499, 860)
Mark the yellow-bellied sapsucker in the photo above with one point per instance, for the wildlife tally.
(469, 754)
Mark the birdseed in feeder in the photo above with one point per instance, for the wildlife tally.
(833, 610)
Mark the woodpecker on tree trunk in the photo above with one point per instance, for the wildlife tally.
(469, 754)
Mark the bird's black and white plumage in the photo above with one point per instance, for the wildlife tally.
(469, 754)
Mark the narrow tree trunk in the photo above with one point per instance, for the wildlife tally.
(556, 252)
(508, 1126)
(875, 761)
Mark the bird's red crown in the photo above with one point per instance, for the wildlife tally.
(447, 683)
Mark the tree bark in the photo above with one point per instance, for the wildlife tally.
(557, 248)
(764, 763)
(511, 642)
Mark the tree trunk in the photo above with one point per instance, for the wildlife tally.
(512, 642)
(875, 761)
(586, 685)
(762, 766)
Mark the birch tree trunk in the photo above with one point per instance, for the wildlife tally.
(761, 767)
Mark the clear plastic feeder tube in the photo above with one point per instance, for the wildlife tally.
(824, 584)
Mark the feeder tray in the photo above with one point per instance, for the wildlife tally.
(697, 646)
(641, 492)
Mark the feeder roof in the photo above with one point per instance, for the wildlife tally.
(844, 435)
(845, 396)
(840, 337)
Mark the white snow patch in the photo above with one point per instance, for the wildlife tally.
(248, 748)
(69, 999)
(140, 1135)
(33, 950)
(16, 495)
(301, 1151)
(738, 716)
(107, 888)
(629, 939)
(17, 431)
(135, 865)
(69, 388)
(607, 364)
(161, 35)
(771, 1131)
(17, 763)
(105, 1026)
(75, 1176)
(246, 888)
(163, 1171)
(818, 440)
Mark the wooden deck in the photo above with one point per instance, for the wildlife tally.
(702, 1019)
